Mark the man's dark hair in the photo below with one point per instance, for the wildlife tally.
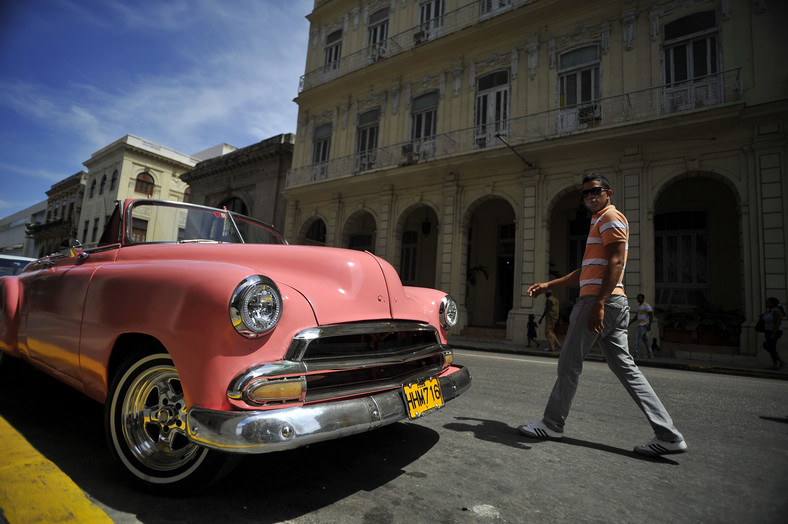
(589, 177)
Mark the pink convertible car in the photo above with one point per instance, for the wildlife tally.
(206, 336)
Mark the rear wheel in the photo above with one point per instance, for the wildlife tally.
(145, 423)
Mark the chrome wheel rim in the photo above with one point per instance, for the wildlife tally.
(153, 420)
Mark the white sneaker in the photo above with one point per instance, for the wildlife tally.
(657, 447)
(540, 431)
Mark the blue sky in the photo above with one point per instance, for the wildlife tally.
(76, 75)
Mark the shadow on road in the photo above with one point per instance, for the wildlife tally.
(501, 433)
(67, 428)
(490, 431)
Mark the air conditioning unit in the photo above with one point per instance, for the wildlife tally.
(589, 114)
(410, 153)
(377, 53)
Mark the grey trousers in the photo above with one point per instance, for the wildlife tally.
(615, 348)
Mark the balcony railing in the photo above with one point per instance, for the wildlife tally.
(630, 108)
(460, 18)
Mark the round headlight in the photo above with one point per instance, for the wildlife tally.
(448, 312)
(256, 306)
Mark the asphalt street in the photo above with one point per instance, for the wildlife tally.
(467, 462)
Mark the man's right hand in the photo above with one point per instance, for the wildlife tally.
(537, 289)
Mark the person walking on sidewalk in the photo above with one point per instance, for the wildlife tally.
(532, 331)
(644, 318)
(773, 330)
(601, 316)
(551, 312)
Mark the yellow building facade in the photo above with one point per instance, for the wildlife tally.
(130, 167)
(450, 137)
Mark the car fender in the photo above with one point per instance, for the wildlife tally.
(183, 306)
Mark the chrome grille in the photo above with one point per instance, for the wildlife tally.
(363, 340)
(355, 359)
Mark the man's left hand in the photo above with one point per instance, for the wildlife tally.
(597, 317)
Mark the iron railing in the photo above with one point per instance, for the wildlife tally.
(433, 29)
(634, 107)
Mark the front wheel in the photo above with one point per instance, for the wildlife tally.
(145, 423)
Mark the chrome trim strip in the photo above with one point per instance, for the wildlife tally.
(289, 428)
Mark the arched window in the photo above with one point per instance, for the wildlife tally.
(321, 147)
(144, 184)
(92, 188)
(690, 47)
(187, 195)
(333, 51)
(492, 107)
(423, 127)
(113, 185)
(367, 139)
(378, 33)
(424, 116)
(578, 76)
(316, 235)
(103, 185)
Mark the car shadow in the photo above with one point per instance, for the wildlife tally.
(67, 428)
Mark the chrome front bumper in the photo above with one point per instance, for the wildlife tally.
(289, 428)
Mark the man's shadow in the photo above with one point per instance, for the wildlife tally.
(501, 433)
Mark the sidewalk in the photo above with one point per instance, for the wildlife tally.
(689, 357)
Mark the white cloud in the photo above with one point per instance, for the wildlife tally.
(185, 74)
(235, 86)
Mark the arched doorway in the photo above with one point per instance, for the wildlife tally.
(359, 233)
(569, 224)
(489, 263)
(234, 204)
(697, 221)
(418, 242)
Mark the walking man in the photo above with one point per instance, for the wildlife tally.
(644, 318)
(601, 315)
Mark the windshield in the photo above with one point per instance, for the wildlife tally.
(158, 221)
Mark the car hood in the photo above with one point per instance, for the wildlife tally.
(342, 285)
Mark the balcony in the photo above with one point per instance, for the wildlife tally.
(636, 107)
(465, 16)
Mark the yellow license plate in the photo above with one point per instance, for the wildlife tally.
(423, 397)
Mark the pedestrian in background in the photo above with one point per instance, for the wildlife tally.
(773, 329)
(532, 330)
(551, 312)
(601, 316)
(644, 318)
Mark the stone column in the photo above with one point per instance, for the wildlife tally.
(450, 252)
(517, 322)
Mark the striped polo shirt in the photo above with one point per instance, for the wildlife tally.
(607, 226)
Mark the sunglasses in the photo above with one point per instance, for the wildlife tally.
(596, 191)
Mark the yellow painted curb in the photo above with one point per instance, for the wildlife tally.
(33, 489)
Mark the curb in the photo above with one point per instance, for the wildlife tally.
(657, 362)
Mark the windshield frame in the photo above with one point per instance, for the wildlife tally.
(232, 218)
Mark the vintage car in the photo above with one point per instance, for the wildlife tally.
(207, 336)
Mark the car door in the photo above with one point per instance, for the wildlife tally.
(53, 300)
